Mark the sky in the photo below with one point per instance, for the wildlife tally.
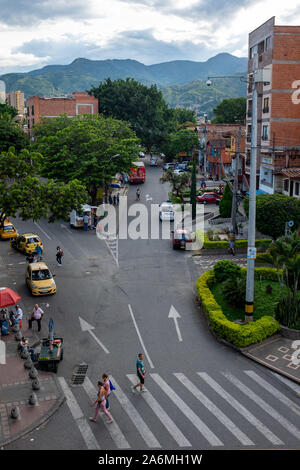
(36, 33)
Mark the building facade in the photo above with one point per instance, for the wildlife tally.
(278, 108)
(78, 103)
(16, 100)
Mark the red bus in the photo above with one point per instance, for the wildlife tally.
(137, 173)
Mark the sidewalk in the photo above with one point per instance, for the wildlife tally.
(16, 388)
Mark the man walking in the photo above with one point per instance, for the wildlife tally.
(18, 316)
(37, 315)
(59, 254)
(38, 251)
(140, 372)
(85, 222)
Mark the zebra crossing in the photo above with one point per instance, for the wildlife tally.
(253, 414)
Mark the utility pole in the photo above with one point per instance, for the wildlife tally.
(235, 183)
(249, 307)
(205, 144)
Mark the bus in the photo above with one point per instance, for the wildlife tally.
(137, 173)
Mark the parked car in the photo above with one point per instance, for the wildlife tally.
(39, 279)
(27, 243)
(179, 171)
(7, 230)
(141, 154)
(180, 238)
(207, 198)
(166, 211)
(168, 166)
(162, 155)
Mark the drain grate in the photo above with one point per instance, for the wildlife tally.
(79, 374)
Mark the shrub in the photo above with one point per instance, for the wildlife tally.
(226, 202)
(287, 312)
(225, 269)
(239, 335)
(234, 291)
(210, 234)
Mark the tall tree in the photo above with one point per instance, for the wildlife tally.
(143, 107)
(231, 111)
(193, 191)
(184, 140)
(23, 193)
(11, 133)
(6, 108)
(81, 148)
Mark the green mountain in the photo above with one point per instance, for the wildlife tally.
(176, 76)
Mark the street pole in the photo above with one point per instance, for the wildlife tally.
(235, 183)
(249, 307)
(205, 144)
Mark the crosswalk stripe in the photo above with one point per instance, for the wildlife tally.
(135, 417)
(292, 385)
(78, 416)
(264, 405)
(215, 410)
(113, 428)
(188, 412)
(241, 409)
(267, 386)
(163, 417)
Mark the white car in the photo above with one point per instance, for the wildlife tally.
(178, 171)
(141, 154)
(166, 211)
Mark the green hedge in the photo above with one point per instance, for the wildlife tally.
(223, 244)
(238, 335)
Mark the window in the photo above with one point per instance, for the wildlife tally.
(265, 133)
(253, 50)
(268, 43)
(32, 110)
(261, 48)
(296, 189)
(266, 105)
(286, 185)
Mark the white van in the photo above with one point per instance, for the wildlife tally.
(166, 211)
(76, 218)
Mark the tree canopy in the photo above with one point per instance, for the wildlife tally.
(273, 211)
(24, 194)
(143, 107)
(231, 111)
(81, 148)
(6, 108)
(11, 133)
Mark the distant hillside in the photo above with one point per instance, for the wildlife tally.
(81, 74)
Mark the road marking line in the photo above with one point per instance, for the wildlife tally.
(140, 337)
(292, 385)
(162, 416)
(264, 405)
(114, 430)
(42, 230)
(135, 417)
(215, 410)
(241, 409)
(276, 393)
(78, 416)
(188, 412)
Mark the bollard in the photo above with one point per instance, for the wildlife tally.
(18, 336)
(28, 364)
(24, 354)
(33, 373)
(36, 384)
(15, 413)
(32, 399)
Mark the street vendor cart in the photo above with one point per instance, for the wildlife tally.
(51, 354)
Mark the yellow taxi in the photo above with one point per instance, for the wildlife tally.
(27, 243)
(7, 230)
(39, 279)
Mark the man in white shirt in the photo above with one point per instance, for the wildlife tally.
(37, 315)
(18, 316)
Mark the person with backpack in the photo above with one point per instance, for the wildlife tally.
(108, 388)
(59, 255)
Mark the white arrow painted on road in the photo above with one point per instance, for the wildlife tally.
(85, 326)
(175, 315)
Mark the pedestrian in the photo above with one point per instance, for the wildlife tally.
(118, 199)
(37, 315)
(115, 200)
(85, 222)
(90, 222)
(140, 372)
(110, 199)
(38, 251)
(231, 247)
(18, 316)
(106, 384)
(59, 255)
(30, 258)
(95, 219)
(100, 403)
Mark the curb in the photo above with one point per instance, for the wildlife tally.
(59, 402)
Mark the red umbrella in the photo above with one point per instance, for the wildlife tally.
(8, 297)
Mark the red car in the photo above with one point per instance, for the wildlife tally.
(180, 238)
(206, 198)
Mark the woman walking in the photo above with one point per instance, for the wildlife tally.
(100, 403)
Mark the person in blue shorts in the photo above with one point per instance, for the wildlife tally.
(140, 372)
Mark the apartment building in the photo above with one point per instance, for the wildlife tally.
(278, 108)
(78, 103)
(16, 99)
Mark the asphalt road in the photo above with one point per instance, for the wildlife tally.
(201, 394)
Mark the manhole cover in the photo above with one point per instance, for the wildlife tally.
(79, 374)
